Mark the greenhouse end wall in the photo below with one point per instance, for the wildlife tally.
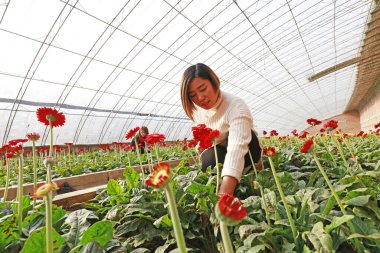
(370, 111)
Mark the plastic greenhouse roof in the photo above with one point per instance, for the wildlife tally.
(113, 65)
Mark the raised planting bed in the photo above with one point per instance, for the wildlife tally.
(81, 187)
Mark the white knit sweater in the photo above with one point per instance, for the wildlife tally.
(232, 117)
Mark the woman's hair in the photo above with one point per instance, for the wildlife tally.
(198, 70)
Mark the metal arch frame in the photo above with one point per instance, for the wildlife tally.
(215, 42)
(105, 129)
(72, 86)
(21, 93)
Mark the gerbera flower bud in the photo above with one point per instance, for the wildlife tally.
(307, 146)
(230, 210)
(44, 189)
(49, 160)
(160, 175)
(269, 151)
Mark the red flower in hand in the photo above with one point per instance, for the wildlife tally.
(45, 114)
(33, 136)
(307, 146)
(230, 210)
(269, 151)
(131, 132)
(160, 175)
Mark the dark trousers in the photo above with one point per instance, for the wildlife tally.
(208, 156)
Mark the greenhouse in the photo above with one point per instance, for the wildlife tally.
(190, 126)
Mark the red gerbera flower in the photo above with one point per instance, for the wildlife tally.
(45, 114)
(14, 151)
(307, 146)
(269, 151)
(132, 132)
(377, 125)
(154, 138)
(265, 132)
(214, 134)
(68, 143)
(273, 133)
(160, 175)
(331, 125)
(303, 135)
(230, 210)
(313, 122)
(294, 132)
(192, 143)
(14, 142)
(33, 136)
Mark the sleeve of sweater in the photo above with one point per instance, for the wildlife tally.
(239, 136)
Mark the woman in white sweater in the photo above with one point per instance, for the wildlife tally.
(205, 103)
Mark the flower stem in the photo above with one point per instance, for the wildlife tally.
(139, 157)
(226, 238)
(290, 218)
(20, 194)
(328, 150)
(217, 170)
(156, 149)
(350, 225)
(34, 170)
(6, 180)
(342, 155)
(49, 221)
(261, 190)
(175, 218)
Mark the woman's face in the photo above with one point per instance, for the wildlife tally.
(143, 133)
(202, 93)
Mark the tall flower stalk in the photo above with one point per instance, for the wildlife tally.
(33, 137)
(160, 179)
(270, 152)
(6, 161)
(52, 118)
(261, 190)
(20, 192)
(308, 148)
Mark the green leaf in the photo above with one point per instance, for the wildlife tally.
(321, 241)
(374, 236)
(337, 221)
(113, 187)
(164, 221)
(37, 241)
(132, 178)
(359, 201)
(100, 232)
(91, 247)
(78, 223)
